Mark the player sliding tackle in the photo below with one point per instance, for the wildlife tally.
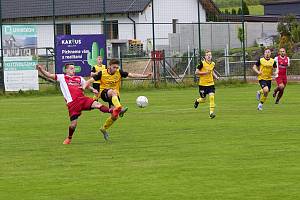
(110, 82)
(71, 87)
(264, 69)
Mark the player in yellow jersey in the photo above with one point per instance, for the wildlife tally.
(205, 71)
(110, 83)
(264, 69)
(97, 68)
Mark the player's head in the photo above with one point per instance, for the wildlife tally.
(267, 53)
(99, 60)
(282, 52)
(70, 69)
(113, 65)
(208, 55)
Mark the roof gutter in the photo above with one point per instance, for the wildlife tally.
(134, 25)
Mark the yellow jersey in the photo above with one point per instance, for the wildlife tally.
(266, 68)
(110, 81)
(98, 68)
(207, 79)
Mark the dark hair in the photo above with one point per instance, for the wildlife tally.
(267, 48)
(207, 51)
(68, 64)
(114, 62)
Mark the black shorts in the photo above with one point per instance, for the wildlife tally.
(96, 86)
(105, 98)
(265, 83)
(205, 90)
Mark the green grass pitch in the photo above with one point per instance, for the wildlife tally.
(168, 150)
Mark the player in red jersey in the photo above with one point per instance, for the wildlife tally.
(71, 88)
(281, 74)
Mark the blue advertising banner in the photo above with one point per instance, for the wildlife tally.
(81, 50)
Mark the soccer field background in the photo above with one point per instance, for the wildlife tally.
(168, 150)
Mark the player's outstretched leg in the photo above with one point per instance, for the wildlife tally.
(108, 123)
(123, 111)
(72, 129)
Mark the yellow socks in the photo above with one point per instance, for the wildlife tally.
(108, 123)
(212, 103)
(263, 98)
(201, 100)
(115, 101)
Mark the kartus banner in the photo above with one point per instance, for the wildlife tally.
(81, 50)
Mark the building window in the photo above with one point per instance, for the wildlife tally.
(63, 29)
(174, 23)
(111, 29)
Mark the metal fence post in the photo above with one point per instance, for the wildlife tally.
(54, 32)
(2, 53)
(164, 66)
(199, 26)
(243, 42)
(104, 29)
(153, 48)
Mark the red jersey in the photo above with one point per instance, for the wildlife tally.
(70, 86)
(282, 64)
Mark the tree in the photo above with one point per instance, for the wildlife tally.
(241, 35)
(289, 30)
(226, 11)
(240, 12)
(245, 8)
(233, 11)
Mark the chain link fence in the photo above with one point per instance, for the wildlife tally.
(166, 37)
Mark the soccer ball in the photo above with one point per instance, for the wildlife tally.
(142, 101)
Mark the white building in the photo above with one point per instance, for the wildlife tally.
(125, 19)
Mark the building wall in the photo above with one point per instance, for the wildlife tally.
(283, 9)
(164, 12)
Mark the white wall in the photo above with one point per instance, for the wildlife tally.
(164, 11)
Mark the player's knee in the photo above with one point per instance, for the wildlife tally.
(112, 93)
(73, 125)
(114, 118)
(266, 90)
(281, 87)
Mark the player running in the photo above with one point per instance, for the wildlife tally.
(205, 71)
(71, 87)
(97, 68)
(265, 72)
(110, 83)
(281, 74)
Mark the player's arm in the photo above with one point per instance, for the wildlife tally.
(89, 82)
(255, 67)
(41, 69)
(83, 83)
(215, 75)
(134, 75)
(275, 67)
(93, 72)
(199, 67)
